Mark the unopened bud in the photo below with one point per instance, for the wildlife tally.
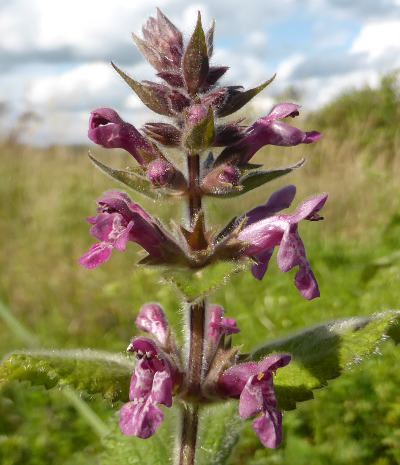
(222, 178)
(196, 114)
(161, 173)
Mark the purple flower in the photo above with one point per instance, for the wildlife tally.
(107, 129)
(271, 131)
(152, 384)
(218, 325)
(262, 232)
(153, 320)
(253, 384)
(119, 221)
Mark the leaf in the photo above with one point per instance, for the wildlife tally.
(193, 284)
(129, 179)
(255, 179)
(239, 99)
(86, 370)
(200, 136)
(324, 351)
(219, 430)
(156, 450)
(146, 94)
(372, 268)
(195, 60)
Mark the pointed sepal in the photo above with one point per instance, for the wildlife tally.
(153, 100)
(195, 63)
(238, 99)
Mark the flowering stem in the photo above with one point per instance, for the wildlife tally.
(193, 162)
(197, 316)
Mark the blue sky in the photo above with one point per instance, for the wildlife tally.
(54, 55)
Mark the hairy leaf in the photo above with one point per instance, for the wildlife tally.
(255, 179)
(127, 450)
(193, 284)
(236, 101)
(90, 371)
(219, 430)
(324, 351)
(195, 60)
(220, 427)
(129, 179)
(146, 94)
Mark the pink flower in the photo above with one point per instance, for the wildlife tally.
(107, 129)
(152, 319)
(262, 232)
(253, 384)
(152, 384)
(119, 221)
(218, 325)
(269, 130)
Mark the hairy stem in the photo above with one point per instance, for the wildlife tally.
(188, 435)
(197, 317)
(193, 162)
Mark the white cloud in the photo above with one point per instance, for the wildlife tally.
(377, 38)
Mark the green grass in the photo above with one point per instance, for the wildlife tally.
(45, 196)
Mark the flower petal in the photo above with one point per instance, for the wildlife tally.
(268, 428)
(278, 201)
(153, 320)
(258, 270)
(141, 420)
(97, 255)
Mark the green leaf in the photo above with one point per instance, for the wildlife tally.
(219, 431)
(324, 351)
(195, 59)
(200, 136)
(89, 371)
(129, 450)
(129, 179)
(255, 179)
(237, 101)
(194, 284)
(146, 94)
(372, 268)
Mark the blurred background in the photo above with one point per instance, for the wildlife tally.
(338, 59)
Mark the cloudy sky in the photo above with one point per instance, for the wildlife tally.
(54, 55)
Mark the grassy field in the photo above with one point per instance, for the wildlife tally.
(45, 194)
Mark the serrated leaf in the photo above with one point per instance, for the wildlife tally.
(129, 179)
(146, 95)
(195, 59)
(324, 351)
(238, 100)
(200, 136)
(90, 371)
(255, 179)
(194, 284)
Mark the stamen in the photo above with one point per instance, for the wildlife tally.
(260, 376)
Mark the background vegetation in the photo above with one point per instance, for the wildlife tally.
(45, 194)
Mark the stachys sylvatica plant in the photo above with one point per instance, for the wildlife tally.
(200, 378)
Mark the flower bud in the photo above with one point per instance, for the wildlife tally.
(223, 177)
(161, 173)
(196, 114)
